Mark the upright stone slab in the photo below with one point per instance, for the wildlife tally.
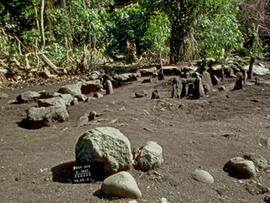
(106, 149)
(207, 82)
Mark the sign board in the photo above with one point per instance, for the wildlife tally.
(82, 173)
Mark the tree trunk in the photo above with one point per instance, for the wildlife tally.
(176, 40)
(42, 22)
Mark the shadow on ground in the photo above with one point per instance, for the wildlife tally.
(63, 173)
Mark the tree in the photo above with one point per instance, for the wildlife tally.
(181, 13)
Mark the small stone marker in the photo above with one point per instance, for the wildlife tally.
(202, 176)
(82, 173)
(109, 87)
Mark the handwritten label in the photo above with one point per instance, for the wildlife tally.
(82, 174)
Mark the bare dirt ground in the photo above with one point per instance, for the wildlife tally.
(35, 164)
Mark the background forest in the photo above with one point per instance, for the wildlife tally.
(76, 35)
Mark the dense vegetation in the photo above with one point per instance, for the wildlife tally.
(81, 33)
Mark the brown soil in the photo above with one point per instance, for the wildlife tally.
(205, 133)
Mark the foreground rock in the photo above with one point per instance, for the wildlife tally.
(27, 97)
(106, 148)
(240, 168)
(121, 184)
(45, 116)
(202, 176)
(149, 157)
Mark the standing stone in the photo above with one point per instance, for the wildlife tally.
(155, 95)
(184, 88)
(149, 157)
(92, 115)
(207, 82)
(240, 168)
(121, 184)
(202, 176)
(198, 87)
(238, 84)
(176, 88)
(160, 74)
(106, 149)
(215, 80)
(108, 87)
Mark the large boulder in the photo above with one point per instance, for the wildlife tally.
(55, 101)
(149, 157)
(73, 89)
(45, 116)
(91, 86)
(121, 184)
(27, 97)
(106, 149)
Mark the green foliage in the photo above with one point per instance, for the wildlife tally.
(219, 34)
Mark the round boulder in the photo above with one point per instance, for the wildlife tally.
(106, 149)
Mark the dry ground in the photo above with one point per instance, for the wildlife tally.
(203, 133)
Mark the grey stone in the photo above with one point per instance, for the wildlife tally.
(92, 115)
(68, 98)
(238, 83)
(207, 82)
(148, 72)
(47, 115)
(75, 101)
(198, 87)
(3, 95)
(184, 90)
(106, 148)
(215, 80)
(170, 70)
(202, 176)
(98, 95)
(126, 77)
(160, 74)
(155, 95)
(90, 86)
(257, 159)
(141, 93)
(258, 69)
(109, 87)
(83, 120)
(82, 97)
(95, 75)
(121, 184)
(27, 97)
(73, 89)
(55, 101)
(149, 157)
(240, 168)
(176, 88)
